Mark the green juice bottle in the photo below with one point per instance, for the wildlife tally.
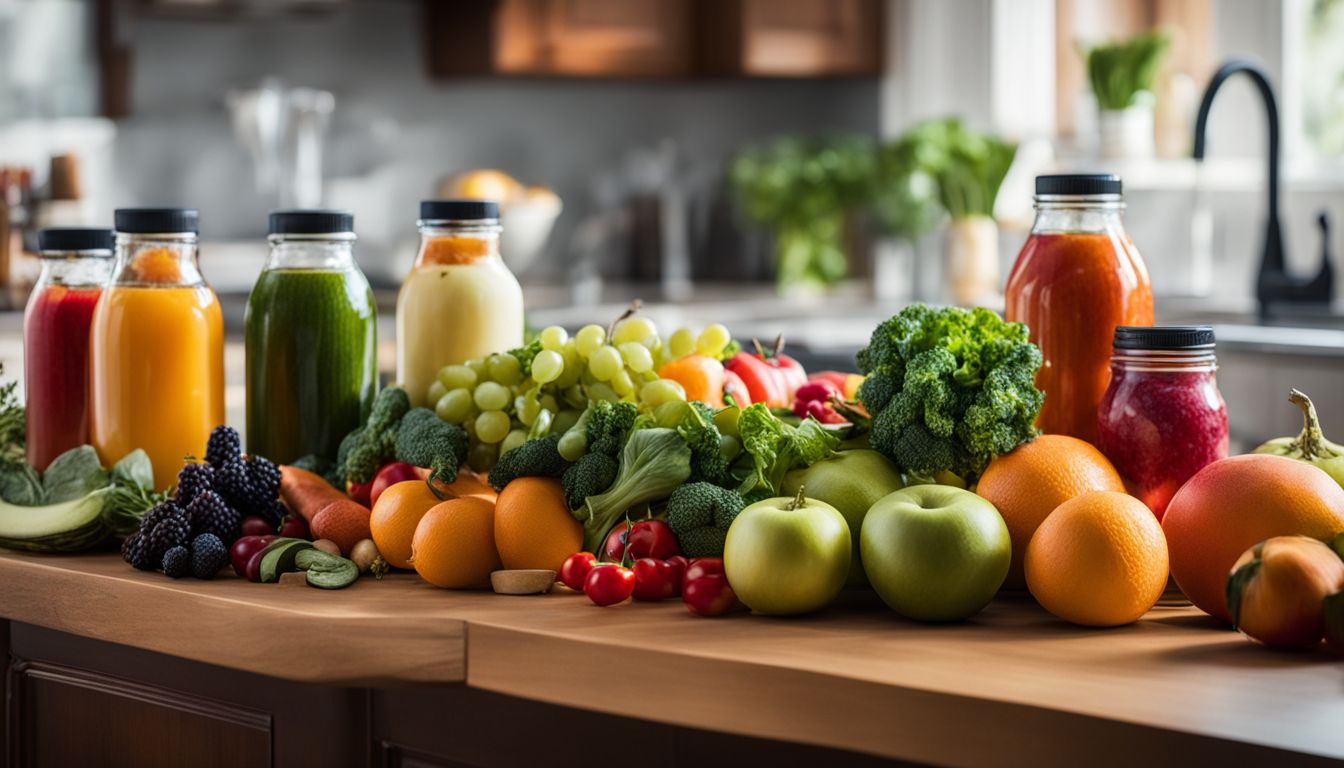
(312, 339)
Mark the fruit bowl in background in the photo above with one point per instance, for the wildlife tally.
(527, 214)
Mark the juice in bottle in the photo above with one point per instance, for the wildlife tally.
(76, 263)
(157, 342)
(312, 339)
(1077, 278)
(459, 302)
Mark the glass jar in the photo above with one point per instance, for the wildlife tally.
(157, 357)
(76, 264)
(312, 339)
(459, 302)
(1077, 278)
(1162, 418)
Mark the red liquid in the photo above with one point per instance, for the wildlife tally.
(56, 370)
(1159, 429)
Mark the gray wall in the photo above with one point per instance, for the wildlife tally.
(395, 131)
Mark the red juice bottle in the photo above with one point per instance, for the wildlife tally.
(76, 264)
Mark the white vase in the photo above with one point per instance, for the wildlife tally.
(1126, 134)
(972, 260)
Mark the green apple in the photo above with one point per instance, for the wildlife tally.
(787, 555)
(934, 552)
(850, 481)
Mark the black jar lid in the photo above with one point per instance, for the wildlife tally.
(1164, 337)
(459, 210)
(1078, 184)
(156, 221)
(75, 239)
(311, 222)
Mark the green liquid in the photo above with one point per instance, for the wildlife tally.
(312, 361)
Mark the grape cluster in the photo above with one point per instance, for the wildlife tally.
(502, 401)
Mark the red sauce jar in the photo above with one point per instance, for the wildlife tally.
(1162, 418)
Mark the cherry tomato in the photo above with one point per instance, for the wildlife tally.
(700, 567)
(678, 565)
(652, 538)
(575, 569)
(609, 584)
(613, 549)
(708, 595)
(654, 579)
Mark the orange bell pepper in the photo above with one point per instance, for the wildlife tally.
(700, 375)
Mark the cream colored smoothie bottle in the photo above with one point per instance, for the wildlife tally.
(459, 302)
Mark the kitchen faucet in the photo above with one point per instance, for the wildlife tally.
(1273, 284)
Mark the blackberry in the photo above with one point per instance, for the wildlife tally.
(223, 446)
(234, 483)
(272, 511)
(208, 555)
(265, 477)
(135, 552)
(157, 514)
(209, 513)
(176, 562)
(192, 480)
(171, 529)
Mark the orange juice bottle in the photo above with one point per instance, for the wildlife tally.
(157, 346)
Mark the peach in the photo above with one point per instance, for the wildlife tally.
(1277, 589)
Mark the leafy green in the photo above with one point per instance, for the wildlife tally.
(949, 389)
(20, 484)
(73, 474)
(1120, 71)
(774, 447)
(131, 494)
(653, 463)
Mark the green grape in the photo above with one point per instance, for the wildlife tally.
(455, 405)
(553, 337)
(660, 391)
(512, 440)
(492, 396)
(505, 369)
(589, 339)
(729, 447)
(527, 407)
(458, 376)
(640, 329)
(575, 396)
(605, 363)
(637, 356)
(542, 426)
(564, 420)
(549, 402)
(600, 391)
(573, 367)
(482, 456)
(547, 366)
(478, 367)
(492, 426)
(572, 445)
(680, 343)
(436, 391)
(623, 384)
(712, 340)
(670, 413)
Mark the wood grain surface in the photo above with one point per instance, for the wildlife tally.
(1014, 685)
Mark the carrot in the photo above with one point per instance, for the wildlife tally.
(701, 376)
(344, 522)
(306, 493)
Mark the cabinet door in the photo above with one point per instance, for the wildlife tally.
(594, 38)
(809, 38)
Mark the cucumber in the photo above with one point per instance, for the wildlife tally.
(69, 526)
(280, 559)
(326, 571)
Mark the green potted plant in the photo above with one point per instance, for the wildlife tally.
(1121, 75)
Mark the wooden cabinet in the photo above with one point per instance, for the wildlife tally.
(655, 38)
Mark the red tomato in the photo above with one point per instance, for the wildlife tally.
(613, 549)
(388, 476)
(678, 564)
(654, 579)
(575, 570)
(652, 538)
(708, 595)
(609, 584)
(764, 383)
(734, 387)
(700, 567)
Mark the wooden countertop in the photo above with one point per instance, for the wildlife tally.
(1012, 686)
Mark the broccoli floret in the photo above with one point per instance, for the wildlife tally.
(707, 460)
(949, 389)
(608, 424)
(534, 458)
(425, 440)
(369, 447)
(653, 463)
(525, 354)
(589, 476)
(699, 514)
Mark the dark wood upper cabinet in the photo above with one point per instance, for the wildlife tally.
(655, 38)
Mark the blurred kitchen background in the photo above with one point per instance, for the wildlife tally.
(771, 164)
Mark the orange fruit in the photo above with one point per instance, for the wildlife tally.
(454, 544)
(1099, 560)
(1026, 485)
(533, 526)
(1233, 504)
(394, 518)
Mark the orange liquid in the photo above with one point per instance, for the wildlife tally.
(157, 374)
(1072, 290)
